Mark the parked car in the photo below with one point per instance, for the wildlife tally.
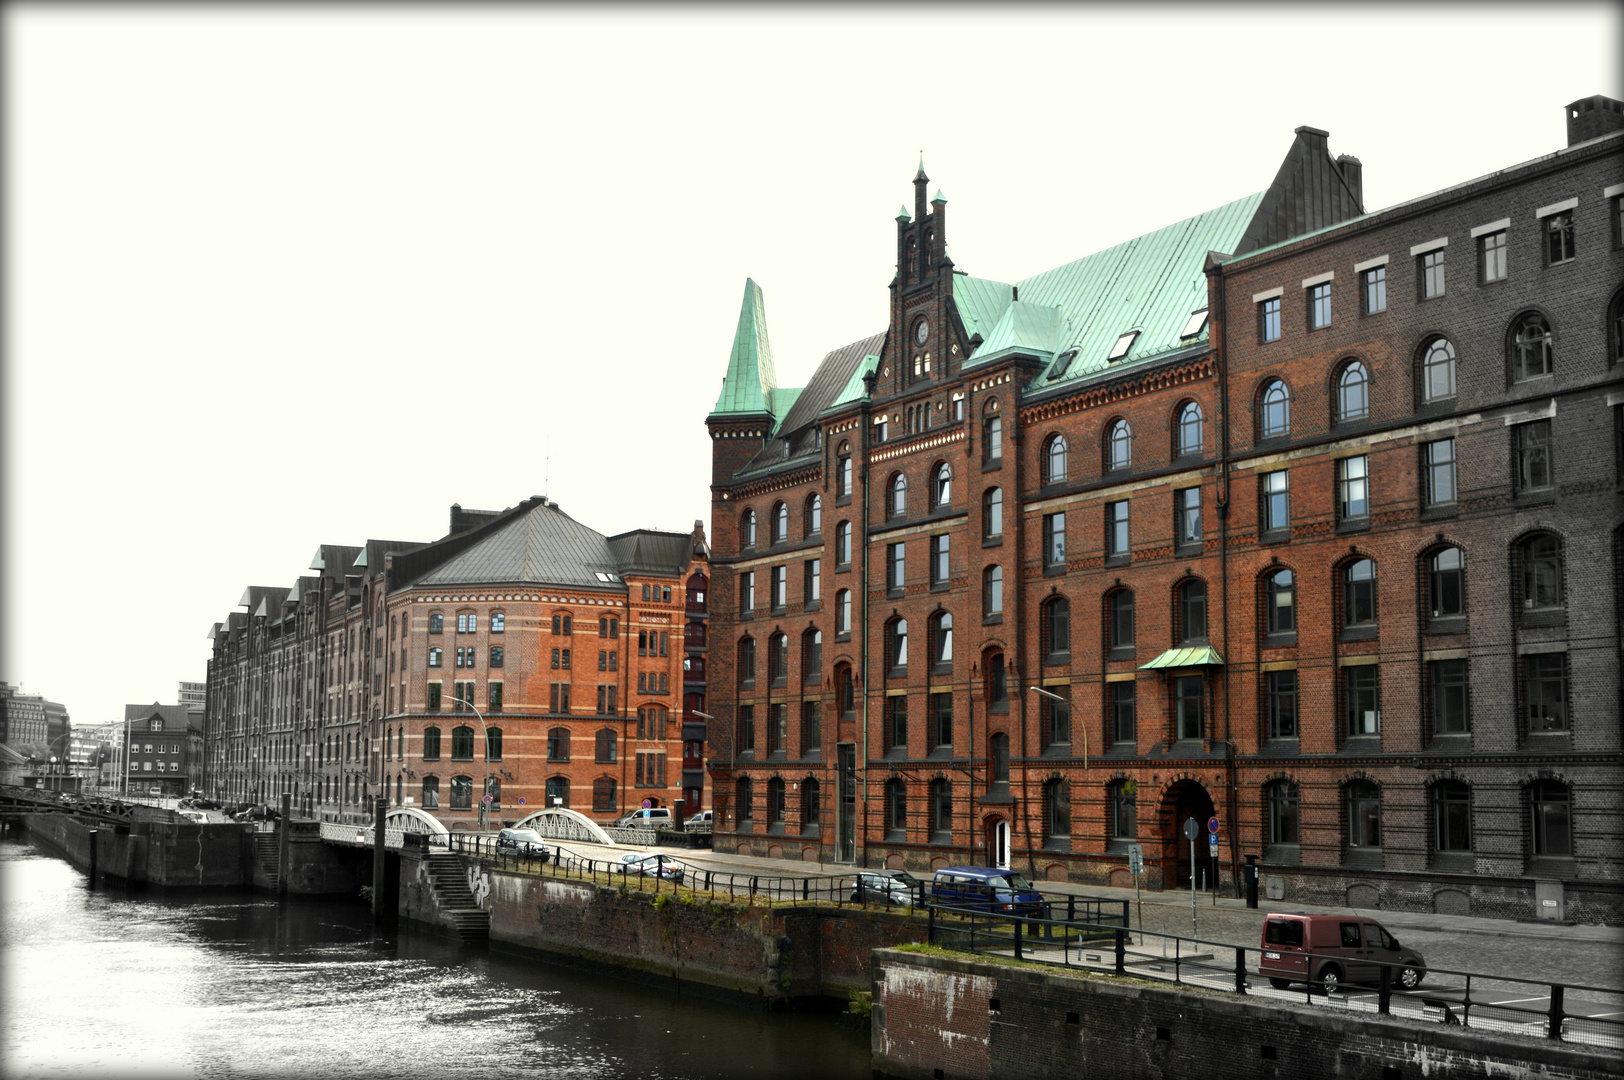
(1330, 950)
(649, 863)
(649, 817)
(700, 821)
(985, 888)
(196, 817)
(527, 842)
(889, 887)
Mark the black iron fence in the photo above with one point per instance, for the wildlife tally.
(1586, 1015)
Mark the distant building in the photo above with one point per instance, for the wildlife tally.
(23, 723)
(193, 695)
(165, 751)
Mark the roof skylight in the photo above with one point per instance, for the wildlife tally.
(1123, 344)
(1198, 320)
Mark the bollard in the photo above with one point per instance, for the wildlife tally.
(1384, 996)
(1251, 881)
(379, 808)
(1554, 1031)
(1121, 952)
(1018, 955)
(93, 836)
(1240, 971)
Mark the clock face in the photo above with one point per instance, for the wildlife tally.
(922, 331)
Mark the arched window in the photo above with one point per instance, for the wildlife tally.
(1359, 594)
(775, 802)
(941, 639)
(604, 745)
(992, 438)
(747, 529)
(941, 485)
(998, 758)
(992, 513)
(1530, 347)
(558, 791)
(1352, 392)
(1188, 432)
(1446, 583)
(1550, 808)
(744, 800)
(747, 663)
(1119, 446)
(814, 515)
(1280, 602)
(1119, 618)
(1054, 460)
(780, 523)
(778, 659)
(462, 743)
(1284, 821)
(1274, 414)
(1437, 370)
(812, 657)
(843, 472)
(896, 643)
(1364, 815)
(558, 744)
(1541, 557)
(845, 691)
(992, 590)
(941, 811)
(843, 543)
(896, 810)
(1056, 810)
(1122, 801)
(431, 792)
(1192, 611)
(462, 793)
(493, 744)
(897, 506)
(843, 611)
(997, 682)
(1451, 816)
(1055, 629)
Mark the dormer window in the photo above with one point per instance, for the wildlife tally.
(1062, 362)
(157, 724)
(1123, 344)
(1197, 323)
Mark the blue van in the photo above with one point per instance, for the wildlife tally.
(985, 888)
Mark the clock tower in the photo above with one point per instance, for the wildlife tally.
(924, 345)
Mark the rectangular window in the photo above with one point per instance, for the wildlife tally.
(1187, 707)
(747, 728)
(565, 654)
(814, 580)
(897, 564)
(1432, 274)
(780, 586)
(1116, 529)
(896, 722)
(1559, 237)
(1124, 705)
(941, 720)
(1546, 689)
(1440, 465)
(1533, 455)
(1281, 687)
(1492, 256)
(1054, 718)
(465, 696)
(603, 659)
(498, 622)
(558, 700)
(1319, 306)
(494, 696)
(811, 727)
(1188, 504)
(1360, 691)
(434, 697)
(496, 656)
(1353, 494)
(1268, 313)
(1449, 700)
(1276, 501)
(938, 560)
(747, 592)
(1054, 539)
(1375, 290)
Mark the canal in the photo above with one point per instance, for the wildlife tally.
(116, 983)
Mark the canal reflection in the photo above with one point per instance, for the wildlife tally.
(237, 985)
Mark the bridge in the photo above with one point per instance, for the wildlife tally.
(15, 802)
(553, 823)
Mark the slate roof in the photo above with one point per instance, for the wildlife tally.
(536, 543)
(645, 551)
(172, 714)
(831, 384)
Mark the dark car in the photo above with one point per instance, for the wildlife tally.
(985, 888)
(890, 887)
(526, 842)
(1329, 950)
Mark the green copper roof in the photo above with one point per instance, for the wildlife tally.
(853, 390)
(1195, 656)
(782, 401)
(750, 381)
(1149, 284)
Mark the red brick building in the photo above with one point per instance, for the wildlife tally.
(1125, 483)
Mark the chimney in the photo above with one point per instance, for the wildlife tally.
(1592, 117)
(1354, 173)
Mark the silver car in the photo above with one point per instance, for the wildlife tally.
(647, 862)
(526, 842)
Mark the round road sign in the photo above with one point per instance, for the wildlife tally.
(1212, 825)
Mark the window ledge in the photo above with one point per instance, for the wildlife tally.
(940, 753)
(1450, 624)
(1358, 633)
(896, 836)
(991, 464)
(1280, 640)
(1362, 743)
(939, 586)
(1057, 750)
(1189, 550)
(1058, 845)
(1122, 652)
(941, 668)
(1351, 525)
(1454, 862)
(1553, 866)
(1282, 855)
(812, 605)
(1054, 569)
(1364, 858)
(1546, 617)
(1057, 659)
(1118, 560)
(895, 594)
(993, 619)
(1540, 497)
(993, 541)
(941, 839)
(843, 636)
(842, 500)
(1275, 536)
(1439, 511)
(1283, 745)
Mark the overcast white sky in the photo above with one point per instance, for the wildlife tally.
(283, 276)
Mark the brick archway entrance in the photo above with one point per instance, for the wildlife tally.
(1185, 799)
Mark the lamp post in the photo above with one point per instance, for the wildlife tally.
(1062, 701)
(486, 793)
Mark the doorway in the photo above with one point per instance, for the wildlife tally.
(1184, 800)
(998, 843)
(846, 802)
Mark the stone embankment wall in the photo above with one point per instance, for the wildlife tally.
(965, 1019)
(169, 853)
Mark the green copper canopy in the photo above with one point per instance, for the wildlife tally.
(748, 387)
(1194, 656)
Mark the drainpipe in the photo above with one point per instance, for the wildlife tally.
(1221, 358)
(1014, 581)
(861, 850)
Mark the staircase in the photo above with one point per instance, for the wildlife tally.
(266, 859)
(450, 881)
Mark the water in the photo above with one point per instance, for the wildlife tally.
(237, 985)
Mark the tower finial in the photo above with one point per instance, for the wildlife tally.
(920, 174)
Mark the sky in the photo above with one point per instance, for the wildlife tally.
(284, 276)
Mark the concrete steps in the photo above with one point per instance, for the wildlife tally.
(267, 858)
(457, 904)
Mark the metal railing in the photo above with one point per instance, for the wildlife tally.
(1585, 1015)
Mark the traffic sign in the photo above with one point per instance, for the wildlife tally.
(1212, 843)
(1212, 825)
(1136, 859)
(1192, 828)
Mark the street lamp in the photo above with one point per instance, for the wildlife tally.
(1060, 700)
(486, 794)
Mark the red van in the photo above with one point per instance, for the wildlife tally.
(1330, 950)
